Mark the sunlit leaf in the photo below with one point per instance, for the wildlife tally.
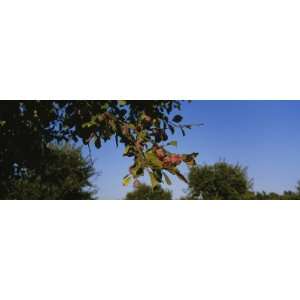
(173, 143)
(154, 181)
(153, 160)
(126, 180)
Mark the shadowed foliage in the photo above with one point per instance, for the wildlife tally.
(63, 174)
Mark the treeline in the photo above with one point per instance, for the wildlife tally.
(220, 181)
(287, 195)
(65, 174)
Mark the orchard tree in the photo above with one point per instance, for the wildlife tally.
(27, 128)
(221, 181)
(146, 192)
(65, 175)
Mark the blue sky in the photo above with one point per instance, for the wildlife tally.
(262, 135)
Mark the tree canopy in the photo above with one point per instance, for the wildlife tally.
(219, 181)
(27, 128)
(65, 175)
(146, 192)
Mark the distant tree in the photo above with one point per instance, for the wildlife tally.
(145, 192)
(261, 196)
(286, 195)
(63, 174)
(273, 196)
(292, 195)
(250, 195)
(221, 181)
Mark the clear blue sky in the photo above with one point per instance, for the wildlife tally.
(262, 135)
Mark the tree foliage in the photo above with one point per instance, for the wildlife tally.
(145, 192)
(224, 181)
(64, 174)
(143, 127)
(221, 181)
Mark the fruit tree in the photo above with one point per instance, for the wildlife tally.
(28, 127)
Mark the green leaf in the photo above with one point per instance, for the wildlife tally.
(167, 179)
(136, 170)
(112, 124)
(127, 148)
(126, 180)
(154, 181)
(177, 119)
(153, 160)
(105, 105)
(158, 175)
(88, 124)
(173, 143)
